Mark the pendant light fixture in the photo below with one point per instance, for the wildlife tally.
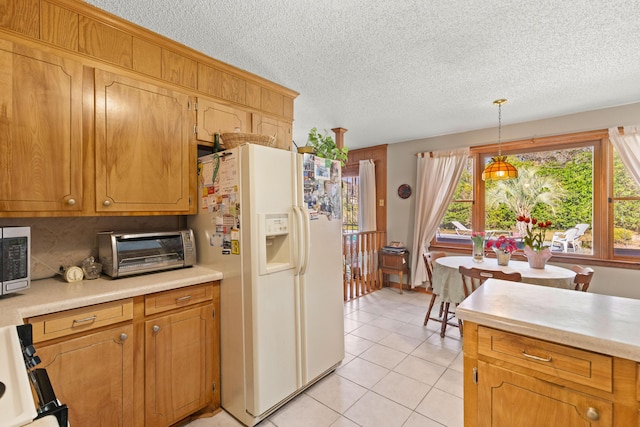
(498, 167)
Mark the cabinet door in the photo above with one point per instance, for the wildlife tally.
(40, 131)
(143, 145)
(509, 399)
(178, 360)
(93, 376)
(214, 117)
(270, 126)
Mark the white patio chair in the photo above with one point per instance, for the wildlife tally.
(566, 239)
(461, 229)
(582, 228)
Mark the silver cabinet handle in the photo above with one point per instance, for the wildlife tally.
(539, 359)
(184, 298)
(156, 328)
(86, 319)
(123, 336)
(71, 202)
(106, 203)
(592, 414)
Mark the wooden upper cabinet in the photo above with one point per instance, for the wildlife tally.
(179, 69)
(105, 42)
(269, 126)
(59, 26)
(20, 16)
(40, 131)
(144, 150)
(90, 32)
(213, 117)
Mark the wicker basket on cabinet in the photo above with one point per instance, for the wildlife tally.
(233, 139)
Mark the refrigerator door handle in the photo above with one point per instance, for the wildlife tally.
(299, 239)
(307, 239)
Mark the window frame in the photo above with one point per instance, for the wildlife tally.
(602, 226)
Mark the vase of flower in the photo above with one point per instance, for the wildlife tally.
(537, 259)
(477, 247)
(537, 254)
(503, 247)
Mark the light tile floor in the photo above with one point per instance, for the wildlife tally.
(396, 372)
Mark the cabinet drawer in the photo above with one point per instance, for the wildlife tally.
(177, 298)
(82, 319)
(557, 361)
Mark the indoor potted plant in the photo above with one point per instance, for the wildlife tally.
(503, 247)
(324, 146)
(534, 249)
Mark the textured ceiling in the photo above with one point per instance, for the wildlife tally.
(398, 70)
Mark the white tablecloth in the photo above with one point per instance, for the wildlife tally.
(447, 282)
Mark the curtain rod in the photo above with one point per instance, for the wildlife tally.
(430, 154)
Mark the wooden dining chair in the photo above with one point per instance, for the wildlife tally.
(583, 277)
(429, 258)
(472, 278)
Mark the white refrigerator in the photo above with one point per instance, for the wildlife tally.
(270, 220)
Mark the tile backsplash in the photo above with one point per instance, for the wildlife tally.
(64, 242)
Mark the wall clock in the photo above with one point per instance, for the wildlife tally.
(404, 191)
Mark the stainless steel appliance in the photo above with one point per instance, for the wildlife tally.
(15, 247)
(125, 254)
(270, 220)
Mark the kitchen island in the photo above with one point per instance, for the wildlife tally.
(539, 356)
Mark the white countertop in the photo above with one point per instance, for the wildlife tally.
(601, 323)
(51, 295)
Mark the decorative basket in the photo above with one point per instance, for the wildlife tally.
(233, 139)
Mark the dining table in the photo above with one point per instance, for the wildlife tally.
(447, 281)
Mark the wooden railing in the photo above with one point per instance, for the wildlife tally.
(360, 267)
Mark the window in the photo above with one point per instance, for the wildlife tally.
(626, 212)
(553, 185)
(350, 186)
(459, 212)
(563, 179)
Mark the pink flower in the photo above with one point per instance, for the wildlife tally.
(477, 237)
(503, 243)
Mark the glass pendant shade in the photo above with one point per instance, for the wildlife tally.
(498, 168)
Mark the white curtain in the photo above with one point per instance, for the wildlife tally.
(628, 148)
(437, 177)
(367, 196)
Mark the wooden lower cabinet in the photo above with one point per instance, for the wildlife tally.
(93, 375)
(152, 360)
(509, 399)
(178, 355)
(512, 380)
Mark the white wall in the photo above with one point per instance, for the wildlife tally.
(401, 169)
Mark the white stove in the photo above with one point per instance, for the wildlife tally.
(17, 405)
